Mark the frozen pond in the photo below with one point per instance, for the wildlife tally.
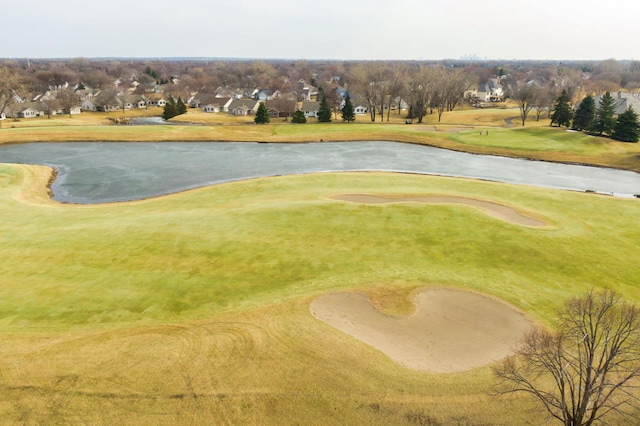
(108, 171)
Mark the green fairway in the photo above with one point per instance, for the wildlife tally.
(193, 308)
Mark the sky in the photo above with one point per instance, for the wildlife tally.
(324, 29)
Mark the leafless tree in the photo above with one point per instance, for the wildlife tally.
(10, 87)
(368, 83)
(396, 75)
(49, 106)
(586, 370)
(420, 88)
(526, 96)
(107, 99)
(67, 99)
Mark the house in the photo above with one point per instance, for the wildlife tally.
(24, 110)
(210, 103)
(623, 100)
(2, 116)
(261, 95)
(360, 110)
(89, 104)
(488, 92)
(155, 100)
(310, 108)
(243, 107)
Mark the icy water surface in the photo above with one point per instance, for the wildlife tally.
(116, 171)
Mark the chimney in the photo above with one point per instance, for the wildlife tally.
(619, 95)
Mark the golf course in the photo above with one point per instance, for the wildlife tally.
(311, 299)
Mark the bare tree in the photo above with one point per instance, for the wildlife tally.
(10, 87)
(396, 76)
(420, 89)
(49, 106)
(107, 99)
(586, 370)
(526, 95)
(67, 99)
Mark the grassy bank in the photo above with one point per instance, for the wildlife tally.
(193, 308)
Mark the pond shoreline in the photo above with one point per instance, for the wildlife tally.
(105, 172)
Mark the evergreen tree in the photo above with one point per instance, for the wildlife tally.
(585, 114)
(170, 109)
(324, 112)
(262, 115)
(298, 117)
(561, 115)
(181, 108)
(348, 114)
(604, 121)
(626, 127)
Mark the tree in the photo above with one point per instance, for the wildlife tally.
(585, 114)
(170, 108)
(324, 111)
(67, 99)
(603, 121)
(420, 89)
(298, 117)
(106, 99)
(561, 115)
(348, 113)
(626, 127)
(526, 96)
(262, 115)
(588, 368)
(10, 87)
(181, 108)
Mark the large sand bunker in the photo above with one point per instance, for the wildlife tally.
(495, 210)
(450, 331)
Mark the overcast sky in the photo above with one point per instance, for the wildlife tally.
(324, 29)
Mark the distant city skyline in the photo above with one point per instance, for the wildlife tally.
(331, 29)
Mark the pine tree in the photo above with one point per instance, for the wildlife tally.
(348, 113)
(170, 109)
(181, 108)
(324, 112)
(561, 115)
(604, 121)
(585, 114)
(262, 115)
(626, 127)
(298, 117)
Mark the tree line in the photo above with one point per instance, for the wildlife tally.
(597, 118)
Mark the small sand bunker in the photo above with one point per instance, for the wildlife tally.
(450, 331)
(495, 210)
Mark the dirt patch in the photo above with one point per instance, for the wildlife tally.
(495, 210)
(450, 331)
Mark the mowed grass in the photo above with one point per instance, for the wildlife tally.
(193, 308)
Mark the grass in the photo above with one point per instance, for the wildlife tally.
(193, 308)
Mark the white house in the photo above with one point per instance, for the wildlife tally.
(310, 108)
(243, 107)
(360, 110)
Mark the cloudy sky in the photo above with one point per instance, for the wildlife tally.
(324, 29)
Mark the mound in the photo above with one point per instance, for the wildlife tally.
(450, 331)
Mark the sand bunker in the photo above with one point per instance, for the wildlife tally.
(495, 210)
(450, 331)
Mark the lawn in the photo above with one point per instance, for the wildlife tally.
(194, 308)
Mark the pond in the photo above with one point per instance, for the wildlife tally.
(101, 172)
